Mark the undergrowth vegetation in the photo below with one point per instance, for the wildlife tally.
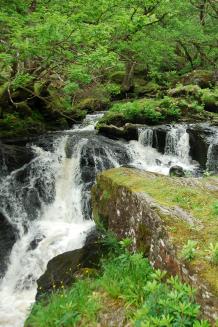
(153, 111)
(138, 295)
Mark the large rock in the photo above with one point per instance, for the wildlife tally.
(98, 154)
(128, 132)
(161, 214)
(63, 269)
(202, 78)
(200, 138)
(176, 171)
(7, 240)
(13, 157)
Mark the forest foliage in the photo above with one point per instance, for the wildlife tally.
(67, 48)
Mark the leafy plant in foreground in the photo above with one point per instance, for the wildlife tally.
(147, 298)
(213, 253)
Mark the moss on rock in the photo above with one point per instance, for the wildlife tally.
(162, 214)
(202, 78)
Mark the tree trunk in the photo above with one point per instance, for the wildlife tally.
(127, 84)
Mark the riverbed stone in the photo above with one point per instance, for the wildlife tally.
(176, 171)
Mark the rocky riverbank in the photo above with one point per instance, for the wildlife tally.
(162, 215)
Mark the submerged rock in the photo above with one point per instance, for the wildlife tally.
(13, 157)
(176, 171)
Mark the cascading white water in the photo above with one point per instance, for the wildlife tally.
(60, 227)
(177, 143)
(144, 156)
(146, 136)
(90, 121)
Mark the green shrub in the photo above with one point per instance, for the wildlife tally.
(189, 250)
(215, 208)
(147, 111)
(210, 97)
(147, 299)
(65, 308)
(189, 105)
(167, 304)
(21, 80)
(213, 253)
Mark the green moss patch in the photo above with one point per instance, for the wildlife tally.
(197, 197)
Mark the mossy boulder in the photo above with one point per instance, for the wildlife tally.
(210, 99)
(143, 87)
(190, 90)
(161, 214)
(112, 118)
(4, 98)
(92, 98)
(117, 77)
(93, 104)
(128, 132)
(202, 78)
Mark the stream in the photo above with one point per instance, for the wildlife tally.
(46, 202)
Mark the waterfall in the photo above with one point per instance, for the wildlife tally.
(176, 152)
(56, 224)
(146, 136)
(47, 201)
(177, 143)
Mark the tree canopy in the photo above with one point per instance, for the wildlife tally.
(73, 45)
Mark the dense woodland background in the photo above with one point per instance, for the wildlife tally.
(62, 59)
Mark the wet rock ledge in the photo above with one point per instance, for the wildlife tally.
(161, 214)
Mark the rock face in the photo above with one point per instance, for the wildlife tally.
(201, 136)
(100, 153)
(131, 204)
(128, 132)
(13, 157)
(7, 239)
(61, 270)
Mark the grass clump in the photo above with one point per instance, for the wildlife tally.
(189, 250)
(125, 283)
(213, 253)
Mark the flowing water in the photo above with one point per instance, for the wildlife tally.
(176, 151)
(47, 201)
